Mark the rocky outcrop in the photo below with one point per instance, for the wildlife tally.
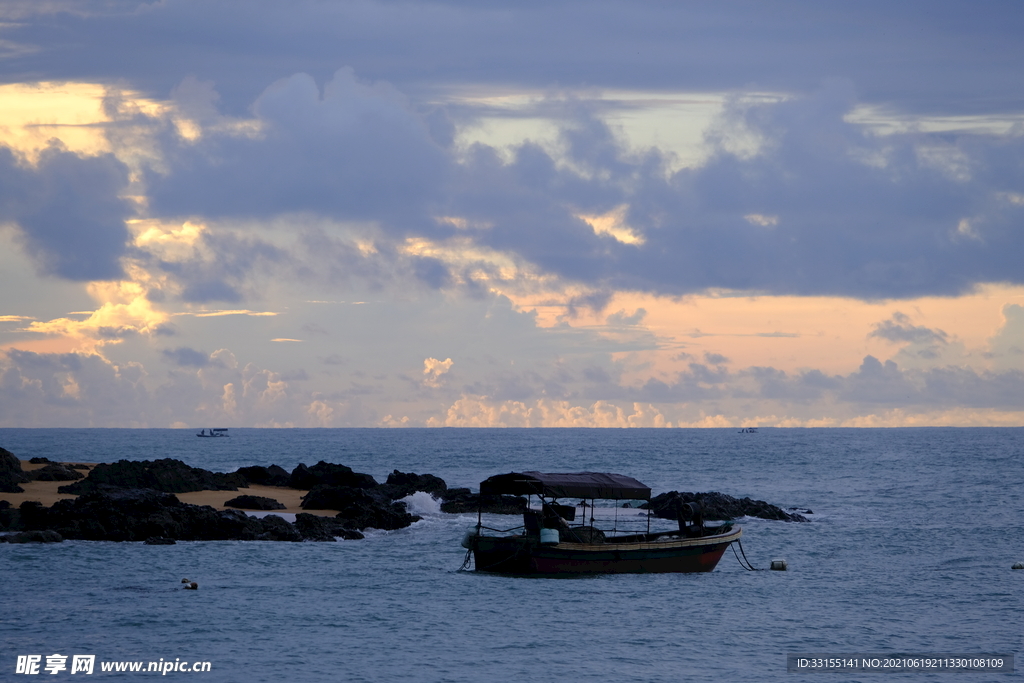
(277, 529)
(115, 514)
(718, 506)
(329, 474)
(462, 501)
(402, 484)
(167, 475)
(156, 517)
(55, 472)
(253, 503)
(11, 473)
(265, 476)
(35, 536)
(359, 508)
(317, 528)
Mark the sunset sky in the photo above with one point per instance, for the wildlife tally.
(546, 214)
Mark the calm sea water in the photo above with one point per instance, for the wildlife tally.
(913, 536)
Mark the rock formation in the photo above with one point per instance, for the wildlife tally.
(170, 476)
(717, 506)
(247, 502)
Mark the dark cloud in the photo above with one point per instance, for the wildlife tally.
(949, 56)
(354, 151)
(822, 207)
(222, 267)
(715, 359)
(69, 210)
(900, 329)
(184, 356)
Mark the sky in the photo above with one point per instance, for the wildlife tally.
(531, 214)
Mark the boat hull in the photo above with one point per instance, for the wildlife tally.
(523, 555)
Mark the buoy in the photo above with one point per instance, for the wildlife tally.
(549, 536)
(779, 565)
(469, 538)
(192, 586)
(1019, 565)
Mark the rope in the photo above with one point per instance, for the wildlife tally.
(466, 562)
(749, 567)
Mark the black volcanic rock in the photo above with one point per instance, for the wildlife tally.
(34, 536)
(402, 484)
(717, 506)
(254, 503)
(55, 472)
(115, 514)
(358, 508)
(317, 528)
(329, 474)
(170, 476)
(11, 473)
(462, 500)
(265, 476)
(277, 529)
(159, 540)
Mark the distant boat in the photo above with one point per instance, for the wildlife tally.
(216, 432)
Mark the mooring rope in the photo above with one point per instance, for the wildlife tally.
(466, 562)
(749, 567)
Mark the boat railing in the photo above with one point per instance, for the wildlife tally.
(500, 531)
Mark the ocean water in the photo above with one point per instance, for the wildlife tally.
(910, 548)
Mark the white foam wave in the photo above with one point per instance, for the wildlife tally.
(422, 503)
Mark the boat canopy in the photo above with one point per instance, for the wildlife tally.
(566, 485)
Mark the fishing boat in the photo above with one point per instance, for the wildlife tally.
(215, 432)
(548, 543)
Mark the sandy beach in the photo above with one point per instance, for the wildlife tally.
(46, 493)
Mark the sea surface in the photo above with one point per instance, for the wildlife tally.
(909, 550)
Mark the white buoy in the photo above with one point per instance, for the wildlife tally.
(549, 536)
(1019, 565)
(469, 537)
(779, 565)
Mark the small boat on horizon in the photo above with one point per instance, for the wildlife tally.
(547, 544)
(215, 432)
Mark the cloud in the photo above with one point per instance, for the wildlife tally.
(124, 312)
(187, 357)
(899, 329)
(353, 151)
(434, 370)
(69, 210)
(619, 318)
(71, 390)
(714, 47)
(817, 205)
(477, 411)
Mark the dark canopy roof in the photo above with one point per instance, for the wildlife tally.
(567, 485)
